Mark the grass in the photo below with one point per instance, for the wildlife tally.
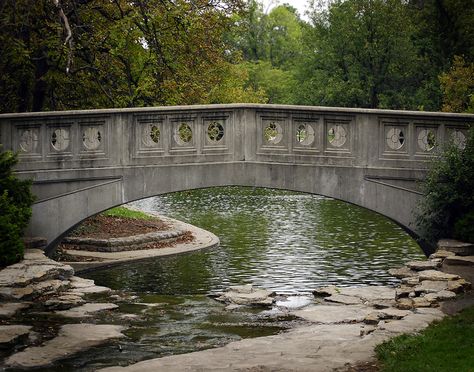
(123, 212)
(444, 346)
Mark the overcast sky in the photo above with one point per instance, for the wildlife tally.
(301, 5)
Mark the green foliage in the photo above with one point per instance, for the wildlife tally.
(443, 346)
(15, 210)
(448, 202)
(458, 87)
(124, 212)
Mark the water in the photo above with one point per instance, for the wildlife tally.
(285, 241)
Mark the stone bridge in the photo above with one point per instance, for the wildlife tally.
(83, 162)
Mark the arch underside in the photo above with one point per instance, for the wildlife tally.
(71, 196)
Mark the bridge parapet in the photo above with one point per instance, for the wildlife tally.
(220, 133)
(83, 162)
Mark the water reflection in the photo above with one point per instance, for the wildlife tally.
(286, 241)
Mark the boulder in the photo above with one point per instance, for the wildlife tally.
(440, 296)
(405, 303)
(431, 286)
(411, 281)
(421, 302)
(326, 291)
(459, 286)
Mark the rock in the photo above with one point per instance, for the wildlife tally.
(430, 286)
(326, 291)
(369, 293)
(392, 313)
(383, 304)
(436, 275)
(402, 272)
(12, 334)
(33, 290)
(247, 295)
(411, 281)
(343, 299)
(78, 282)
(372, 318)
(459, 260)
(89, 290)
(441, 254)
(440, 296)
(64, 302)
(403, 291)
(456, 247)
(422, 265)
(421, 302)
(8, 309)
(366, 330)
(405, 303)
(232, 307)
(129, 316)
(86, 310)
(71, 339)
(458, 286)
(413, 322)
(329, 314)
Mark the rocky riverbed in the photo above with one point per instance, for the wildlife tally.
(341, 329)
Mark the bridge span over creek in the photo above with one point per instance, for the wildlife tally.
(83, 162)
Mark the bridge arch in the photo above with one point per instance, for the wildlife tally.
(83, 162)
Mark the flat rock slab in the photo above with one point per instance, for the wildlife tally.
(413, 322)
(11, 334)
(440, 253)
(90, 290)
(457, 247)
(71, 339)
(431, 286)
(343, 299)
(86, 310)
(369, 293)
(436, 275)
(422, 265)
(460, 260)
(8, 309)
(440, 296)
(247, 295)
(402, 272)
(334, 314)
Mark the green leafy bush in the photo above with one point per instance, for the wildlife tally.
(15, 210)
(447, 209)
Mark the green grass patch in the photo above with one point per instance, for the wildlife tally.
(123, 212)
(444, 346)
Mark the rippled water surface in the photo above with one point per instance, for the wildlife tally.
(285, 241)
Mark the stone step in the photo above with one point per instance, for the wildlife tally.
(457, 247)
(459, 260)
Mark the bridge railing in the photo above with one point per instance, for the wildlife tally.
(225, 133)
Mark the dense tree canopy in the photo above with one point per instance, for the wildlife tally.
(68, 54)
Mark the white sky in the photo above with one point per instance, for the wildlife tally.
(301, 5)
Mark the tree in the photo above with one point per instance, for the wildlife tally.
(15, 210)
(447, 208)
(360, 53)
(458, 87)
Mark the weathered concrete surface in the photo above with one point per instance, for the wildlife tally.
(72, 338)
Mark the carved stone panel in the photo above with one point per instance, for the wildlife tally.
(149, 136)
(306, 135)
(338, 135)
(93, 138)
(28, 140)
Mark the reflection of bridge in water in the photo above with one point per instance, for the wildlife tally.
(83, 162)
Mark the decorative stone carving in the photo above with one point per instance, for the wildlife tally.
(183, 134)
(337, 135)
(305, 134)
(395, 138)
(151, 135)
(426, 139)
(29, 140)
(91, 138)
(60, 139)
(273, 133)
(215, 132)
(458, 138)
